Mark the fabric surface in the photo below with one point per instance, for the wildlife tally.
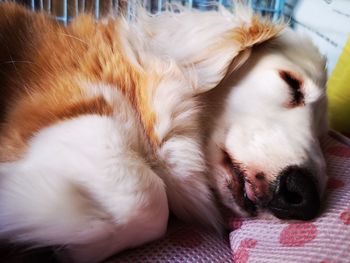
(326, 239)
(183, 243)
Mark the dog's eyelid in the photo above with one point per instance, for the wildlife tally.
(296, 87)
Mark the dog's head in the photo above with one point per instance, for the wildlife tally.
(265, 143)
(266, 147)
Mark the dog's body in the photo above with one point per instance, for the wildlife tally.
(102, 129)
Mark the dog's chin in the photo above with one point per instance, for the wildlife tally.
(232, 188)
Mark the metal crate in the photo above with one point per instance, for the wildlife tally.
(64, 10)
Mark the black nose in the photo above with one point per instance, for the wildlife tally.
(296, 195)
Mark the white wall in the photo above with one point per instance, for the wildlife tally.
(326, 21)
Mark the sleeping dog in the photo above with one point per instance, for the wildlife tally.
(107, 126)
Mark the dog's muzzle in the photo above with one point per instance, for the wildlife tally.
(295, 195)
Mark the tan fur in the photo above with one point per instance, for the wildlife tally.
(44, 65)
(257, 32)
(158, 146)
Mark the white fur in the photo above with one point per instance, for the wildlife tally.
(259, 130)
(204, 52)
(255, 126)
(193, 39)
(96, 186)
(81, 182)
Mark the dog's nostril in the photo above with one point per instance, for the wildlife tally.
(296, 195)
(288, 190)
(292, 197)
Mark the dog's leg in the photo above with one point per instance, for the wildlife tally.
(80, 186)
(90, 226)
(146, 220)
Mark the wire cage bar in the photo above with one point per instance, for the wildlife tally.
(65, 10)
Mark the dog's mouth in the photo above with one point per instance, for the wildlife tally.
(237, 185)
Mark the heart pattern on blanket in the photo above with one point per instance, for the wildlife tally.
(241, 255)
(334, 183)
(339, 151)
(297, 235)
(345, 217)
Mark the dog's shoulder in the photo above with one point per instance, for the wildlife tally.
(39, 60)
(17, 36)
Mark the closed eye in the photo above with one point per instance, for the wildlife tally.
(295, 84)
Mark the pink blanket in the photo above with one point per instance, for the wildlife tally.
(326, 239)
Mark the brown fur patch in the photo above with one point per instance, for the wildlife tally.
(108, 64)
(97, 106)
(258, 31)
(26, 120)
(42, 65)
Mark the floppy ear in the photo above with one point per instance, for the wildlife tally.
(231, 51)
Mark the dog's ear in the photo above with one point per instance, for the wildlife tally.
(206, 44)
(232, 51)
